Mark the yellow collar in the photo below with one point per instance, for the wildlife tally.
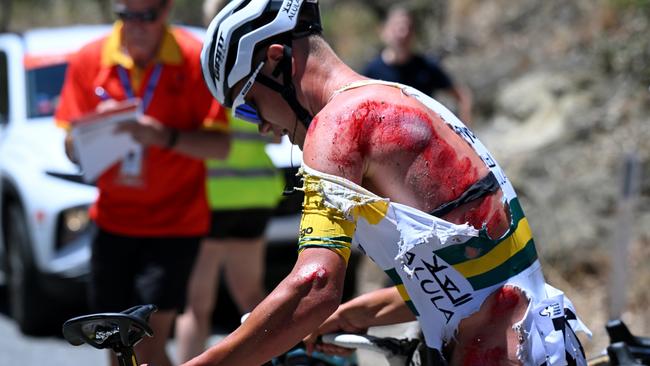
(169, 52)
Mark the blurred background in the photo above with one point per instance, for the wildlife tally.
(561, 98)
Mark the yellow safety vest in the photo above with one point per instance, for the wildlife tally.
(247, 178)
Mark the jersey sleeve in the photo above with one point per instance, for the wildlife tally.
(77, 95)
(322, 226)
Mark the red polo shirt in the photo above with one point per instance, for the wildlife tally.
(170, 197)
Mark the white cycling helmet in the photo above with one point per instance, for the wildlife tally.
(242, 28)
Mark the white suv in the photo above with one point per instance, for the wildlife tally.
(43, 202)
(45, 231)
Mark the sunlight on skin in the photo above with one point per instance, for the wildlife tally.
(313, 273)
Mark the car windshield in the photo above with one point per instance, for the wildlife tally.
(43, 89)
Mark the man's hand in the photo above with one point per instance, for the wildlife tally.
(146, 131)
(69, 148)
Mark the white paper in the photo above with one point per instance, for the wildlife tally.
(97, 145)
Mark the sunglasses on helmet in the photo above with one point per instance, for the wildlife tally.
(247, 110)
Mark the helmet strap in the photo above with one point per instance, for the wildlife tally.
(287, 90)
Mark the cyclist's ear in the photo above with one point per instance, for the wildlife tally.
(275, 52)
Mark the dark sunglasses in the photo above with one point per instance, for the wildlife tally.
(246, 110)
(147, 16)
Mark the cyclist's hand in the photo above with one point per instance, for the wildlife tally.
(344, 320)
(333, 350)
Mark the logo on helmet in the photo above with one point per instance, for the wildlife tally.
(218, 57)
(291, 8)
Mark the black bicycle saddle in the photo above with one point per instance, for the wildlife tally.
(110, 330)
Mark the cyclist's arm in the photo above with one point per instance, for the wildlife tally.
(306, 297)
(381, 307)
(464, 102)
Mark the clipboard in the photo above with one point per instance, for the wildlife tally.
(95, 142)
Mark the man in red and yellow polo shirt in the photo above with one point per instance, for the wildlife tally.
(151, 210)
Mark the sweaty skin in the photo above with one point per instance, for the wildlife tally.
(392, 145)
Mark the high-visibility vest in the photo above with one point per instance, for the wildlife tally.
(247, 178)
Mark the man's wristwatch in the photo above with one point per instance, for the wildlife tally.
(172, 139)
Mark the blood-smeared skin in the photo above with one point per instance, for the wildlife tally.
(313, 275)
(489, 211)
(312, 127)
(487, 336)
(485, 357)
(449, 174)
(430, 158)
(420, 160)
(505, 301)
(378, 127)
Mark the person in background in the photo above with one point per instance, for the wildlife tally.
(399, 62)
(242, 192)
(151, 210)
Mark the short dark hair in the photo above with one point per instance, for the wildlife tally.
(401, 8)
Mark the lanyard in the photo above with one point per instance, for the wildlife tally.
(151, 85)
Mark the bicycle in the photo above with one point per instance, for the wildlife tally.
(120, 332)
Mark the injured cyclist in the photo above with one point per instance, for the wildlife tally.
(392, 171)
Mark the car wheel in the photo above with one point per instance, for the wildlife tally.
(25, 298)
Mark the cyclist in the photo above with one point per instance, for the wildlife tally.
(394, 169)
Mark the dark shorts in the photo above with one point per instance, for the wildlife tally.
(243, 224)
(128, 271)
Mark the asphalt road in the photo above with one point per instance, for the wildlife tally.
(17, 349)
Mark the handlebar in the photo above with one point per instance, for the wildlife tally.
(396, 351)
(385, 345)
(626, 348)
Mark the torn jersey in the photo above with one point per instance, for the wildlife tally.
(444, 271)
